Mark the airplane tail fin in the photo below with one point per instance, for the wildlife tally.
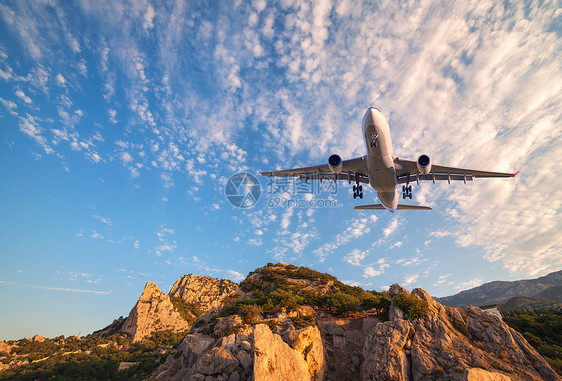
(400, 206)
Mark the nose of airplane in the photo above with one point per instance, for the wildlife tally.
(371, 115)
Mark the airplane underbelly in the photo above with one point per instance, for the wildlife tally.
(389, 199)
(381, 176)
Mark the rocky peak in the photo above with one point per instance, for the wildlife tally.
(153, 312)
(447, 343)
(150, 291)
(202, 292)
(295, 323)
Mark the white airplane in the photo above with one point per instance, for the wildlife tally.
(382, 170)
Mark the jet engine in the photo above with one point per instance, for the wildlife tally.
(424, 164)
(335, 163)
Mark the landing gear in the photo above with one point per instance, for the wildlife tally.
(357, 188)
(407, 192)
(407, 189)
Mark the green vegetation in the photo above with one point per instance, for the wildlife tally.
(250, 313)
(460, 326)
(272, 324)
(208, 330)
(543, 330)
(302, 321)
(279, 287)
(92, 358)
(188, 311)
(412, 306)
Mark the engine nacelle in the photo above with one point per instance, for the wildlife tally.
(335, 163)
(424, 164)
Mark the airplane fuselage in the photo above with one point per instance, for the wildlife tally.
(380, 158)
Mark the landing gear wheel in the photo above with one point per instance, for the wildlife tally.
(355, 188)
(361, 195)
(360, 189)
(354, 195)
(407, 191)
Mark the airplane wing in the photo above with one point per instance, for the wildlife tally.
(351, 169)
(399, 207)
(407, 171)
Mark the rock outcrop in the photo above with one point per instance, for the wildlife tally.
(275, 360)
(420, 340)
(254, 353)
(449, 343)
(203, 292)
(153, 312)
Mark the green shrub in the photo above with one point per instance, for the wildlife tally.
(272, 324)
(199, 323)
(250, 313)
(188, 311)
(412, 306)
(341, 302)
(460, 326)
(303, 322)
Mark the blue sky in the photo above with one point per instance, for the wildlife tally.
(122, 122)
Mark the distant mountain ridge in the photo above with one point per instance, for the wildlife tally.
(547, 287)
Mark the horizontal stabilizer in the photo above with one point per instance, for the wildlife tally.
(400, 206)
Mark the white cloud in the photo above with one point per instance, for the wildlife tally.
(21, 95)
(414, 261)
(475, 282)
(112, 115)
(396, 244)
(442, 279)
(355, 257)
(391, 228)
(356, 228)
(371, 271)
(235, 276)
(8, 104)
(255, 242)
(409, 279)
(148, 22)
(105, 220)
(126, 157)
(60, 79)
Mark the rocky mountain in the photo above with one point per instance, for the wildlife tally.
(345, 333)
(287, 322)
(190, 297)
(499, 292)
(153, 312)
(202, 292)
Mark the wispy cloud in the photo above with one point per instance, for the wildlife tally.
(356, 228)
(475, 282)
(64, 289)
(105, 220)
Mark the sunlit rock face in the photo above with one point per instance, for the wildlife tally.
(153, 312)
(449, 344)
(203, 292)
(432, 343)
